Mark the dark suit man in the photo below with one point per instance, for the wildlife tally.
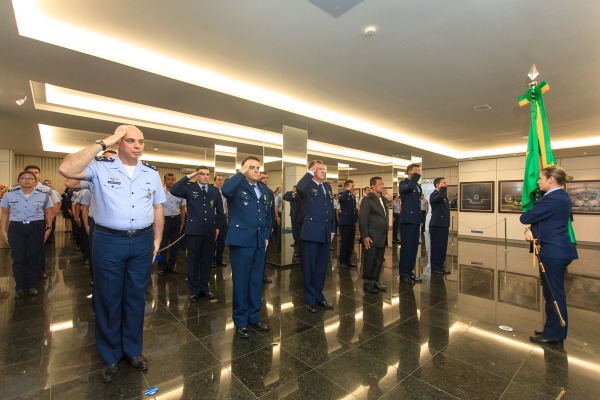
(249, 228)
(410, 221)
(294, 200)
(264, 179)
(348, 219)
(220, 245)
(438, 225)
(204, 214)
(374, 225)
(318, 230)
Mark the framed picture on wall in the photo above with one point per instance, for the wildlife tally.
(477, 196)
(453, 196)
(509, 196)
(585, 196)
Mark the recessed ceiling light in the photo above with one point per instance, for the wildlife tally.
(370, 31)
(482, 107)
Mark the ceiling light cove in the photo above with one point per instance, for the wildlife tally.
(32, 22)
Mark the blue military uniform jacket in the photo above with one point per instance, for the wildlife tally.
(440, 209)
(204, 210)
(124, 202)
(317, 210)
(23, 208)
(249, 218)
(348, 211)
(548, 218)
(410, 195)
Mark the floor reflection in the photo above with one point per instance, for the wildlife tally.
(439, 339)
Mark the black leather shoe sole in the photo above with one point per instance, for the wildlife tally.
(370, 289)
(267, 280)
(138, 363)
(325, 304)
(311, 308)
(380, 288)
(543, 340)
(161, 273)
(538, 333)
(243, 332)
(109, 372)
(408, 280)
(260, 327)
(415, 279)
(193, 298)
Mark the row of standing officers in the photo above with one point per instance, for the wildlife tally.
(129, 222)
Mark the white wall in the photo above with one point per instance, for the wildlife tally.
(512, 168)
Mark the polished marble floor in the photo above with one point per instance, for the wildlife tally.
(436, 340)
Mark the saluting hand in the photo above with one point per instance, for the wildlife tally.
(114, 138)
(244, 168)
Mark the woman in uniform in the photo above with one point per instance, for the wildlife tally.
(26, 224)
(549, 222)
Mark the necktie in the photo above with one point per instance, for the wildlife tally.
(203, 189)
(321, 188)
(256, 191)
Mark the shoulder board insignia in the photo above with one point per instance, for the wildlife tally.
(16, 187)
(150, 166)
(41, 190)
(12, 190)
(104, 159)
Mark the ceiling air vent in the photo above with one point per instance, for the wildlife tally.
(482, 107)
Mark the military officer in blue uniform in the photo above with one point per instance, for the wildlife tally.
(56, 199)
(438, 225)
(248, 236)
(220, 245)
(27, 214)
(410, 222)
(295, 211)
(348, 220)
(318, 230)
(128, 197)
(204, 214)
(174, 210)
(264, 178)
(549, 222)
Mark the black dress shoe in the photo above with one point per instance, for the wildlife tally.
(266, 279)
(43, 275)
(208, 295)
(407, 280)
(32, 292)
(380, 287)
(259, 326)
(438, 271)
(109, 372)
(352, 265)
(538, 333)
(139, 362)
(311, 308)
(345, 266)
(221, 264)
(19, 294)
(161, 272)
(325, 304)
(542, 340)
(243, 332)
(296, 255)
(194, 298)
(370, 288)
(415, 279)
(173, 271)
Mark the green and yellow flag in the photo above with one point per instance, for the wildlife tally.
(539, 149)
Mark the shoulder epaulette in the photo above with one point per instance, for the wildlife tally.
(105, 159)
(13, 190)
(15, 187)
(149, 165)
(41, 190)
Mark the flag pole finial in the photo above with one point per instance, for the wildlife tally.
(533, 73)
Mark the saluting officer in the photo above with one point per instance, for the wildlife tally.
(128, 196)
(204, 214)
(438, 225)
(348, 220)
(318, 230)
(410, 221)
(247, 237)
(30, 211)
(174, 209)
